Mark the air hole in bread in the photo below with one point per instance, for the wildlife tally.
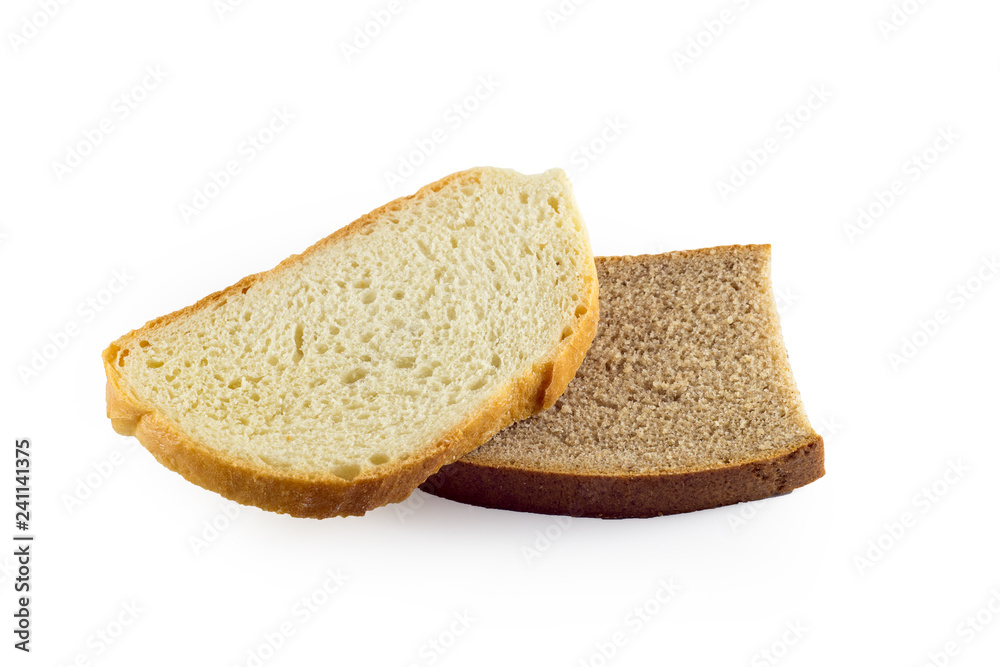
(347, 471)
(353, 375)
(425, 250)
(297, 357)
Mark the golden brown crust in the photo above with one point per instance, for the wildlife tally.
(628, 496)
(316, 495)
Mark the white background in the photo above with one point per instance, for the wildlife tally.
(880, 562)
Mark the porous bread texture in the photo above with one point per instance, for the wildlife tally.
(341, 379)
(688, 371)
(685, 401)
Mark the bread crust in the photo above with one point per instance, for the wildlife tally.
(628, 496)
(321, 495)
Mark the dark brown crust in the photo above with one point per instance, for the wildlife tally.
(316, 495)
(620, 497)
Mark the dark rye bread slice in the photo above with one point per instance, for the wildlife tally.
(684, 402)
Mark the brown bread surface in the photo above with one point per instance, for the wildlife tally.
(685, 401)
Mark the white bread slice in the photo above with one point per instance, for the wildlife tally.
(685, 401)
(339, 380)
